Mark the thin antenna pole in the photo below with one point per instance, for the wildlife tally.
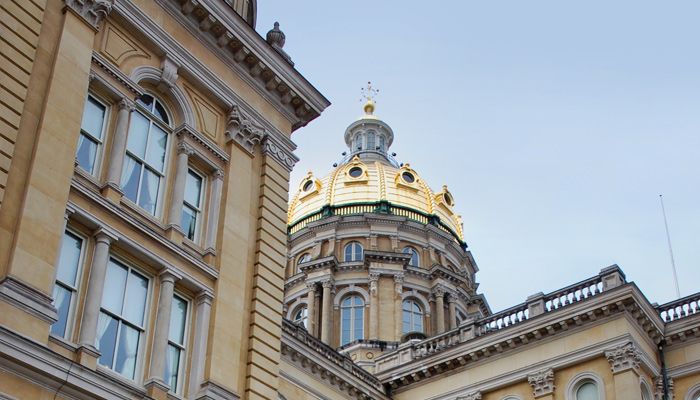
(670, 249)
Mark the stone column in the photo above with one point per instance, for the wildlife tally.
(398, 306)
(327, 308)
(214, 206)
(452, 303)
(199, 347)
(624, 362)
(311, 308)
(178, 193)
(93, 299)
(374, 305)
(542, 383)
(112, 188)
(161, 333)
(440, 308)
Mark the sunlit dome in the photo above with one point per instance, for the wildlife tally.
(369, 180)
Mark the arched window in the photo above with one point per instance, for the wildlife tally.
(144, 164)
(306, 257)
(412, 317)
(357, 145)
(301, 316)
(382, 143)
(352, 316)
(415, 258)
(646, 393)
(353, 252)
(371, 141)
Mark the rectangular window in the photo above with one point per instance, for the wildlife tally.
(121, 322)
(175, 357)
(91, 133)
(191, 208)
(144, 164)
(66, 285)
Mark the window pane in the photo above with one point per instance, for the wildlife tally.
(178, 314)
(587, 391)
(126, 352)
(172, 365)
(136, 291)
(106, 339)
(348, 252)
(69, 259)
(86, 153)
(130, 178)
(61, 300)
(159, 112)
(147, 101)
(115, 282)
(148, 196)
(138, 133)
(193, 189)
(418, 323)
(189, 221)
(155, 157)
(93, 118)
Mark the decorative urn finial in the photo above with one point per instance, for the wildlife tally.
(275, 37)
(369, 93)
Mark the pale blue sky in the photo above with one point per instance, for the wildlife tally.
(554, 124)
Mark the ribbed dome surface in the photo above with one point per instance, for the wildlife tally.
(365, 182)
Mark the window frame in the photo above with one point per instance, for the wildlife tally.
(352, 319)
(354, 257)
(412, 316)
(581, 379)
(153, 119)
(138, 369)
(414, 253)
(181, 347)
(97, 164)
(304, 309)
(199, 212)
(70, 318)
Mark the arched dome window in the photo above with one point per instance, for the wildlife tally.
(352, 317)
(306, 257)
(144, 168)
(301, 316)
(371, 141)
(382, 143)
(357, 144)
(412, 317)
(587, 391)
(353, 252)
(415, 258)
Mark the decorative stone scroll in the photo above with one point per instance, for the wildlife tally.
(471, 396)
(243, 131)
(623, 358)
(542, 382)
(279, 153)
(92, 11)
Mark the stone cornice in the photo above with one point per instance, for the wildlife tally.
(258, 63)
(386, 257)
(110, 69)
(323, 362)
(329, 262)
(196, 136)
(92, 11)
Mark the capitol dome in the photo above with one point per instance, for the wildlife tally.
(369, 180)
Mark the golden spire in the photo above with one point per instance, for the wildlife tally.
(369, 93)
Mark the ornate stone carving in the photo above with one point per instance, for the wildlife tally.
(659, 389)
(439, 291)
(542, 382)
(126, 104)
(398, 283)
(169, 74)
(93, 11)
(184, 148)
(279, 153)
(623, 358)
(471, 396)
(218, 174)
(328, 283)
(242, 130)
(373, 281)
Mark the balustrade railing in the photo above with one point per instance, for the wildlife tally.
(503, 319)
(574, 293)
(681, 308)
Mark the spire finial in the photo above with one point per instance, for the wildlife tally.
(369, 93)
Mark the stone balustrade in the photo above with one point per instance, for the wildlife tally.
(681, 308)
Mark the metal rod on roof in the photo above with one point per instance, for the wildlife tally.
(670, 249)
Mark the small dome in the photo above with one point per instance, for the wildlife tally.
(361, 186)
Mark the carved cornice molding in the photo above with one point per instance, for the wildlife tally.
(242, 130)
(623, 358)
(470, 396)
(110, 69)
(277, 151)
(542, 382)
(92, 11)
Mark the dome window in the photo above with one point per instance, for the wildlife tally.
(308, 185)
(408, 177)
(448, 200)
(355, 172)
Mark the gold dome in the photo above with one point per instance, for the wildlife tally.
(361, 186)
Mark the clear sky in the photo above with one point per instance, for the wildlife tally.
(555, 124)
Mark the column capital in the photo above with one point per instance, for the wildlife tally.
(93, 11)
(103, 235)
(623, 358)
(452, 298)
(542, 382)
(126, 104)
(311, 286)
(328, 283)
(218, 174)
(439, 291)
(204, 297)
(184, 148)
(373, 281)
(169, 275)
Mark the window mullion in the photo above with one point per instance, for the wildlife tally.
(116, 345)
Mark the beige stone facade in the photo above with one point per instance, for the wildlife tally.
(148, 250)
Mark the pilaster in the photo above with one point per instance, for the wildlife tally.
(624, 362)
